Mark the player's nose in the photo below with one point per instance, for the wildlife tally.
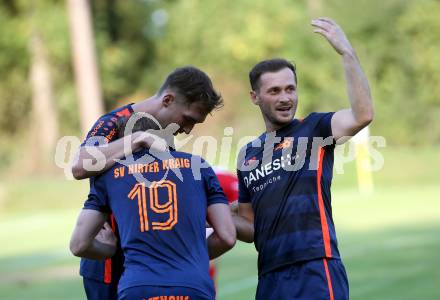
(284, 99)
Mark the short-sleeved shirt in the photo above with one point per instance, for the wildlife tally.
(288, 186)
(107, 125)
(161, 224)
(109, 270)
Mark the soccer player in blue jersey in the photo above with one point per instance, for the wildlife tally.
(285, 177)
(185, 98)
(161, 225)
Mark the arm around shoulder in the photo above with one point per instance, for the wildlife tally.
(94, 160)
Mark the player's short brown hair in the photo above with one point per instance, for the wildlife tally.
(269, 65)
(194, 85)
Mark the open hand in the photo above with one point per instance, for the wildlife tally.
(334, 35)
(147, 140)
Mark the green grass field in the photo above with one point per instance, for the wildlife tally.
(389, 241)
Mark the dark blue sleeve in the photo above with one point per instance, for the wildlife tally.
(323, 125)
(213, 189)
(98, 198)
(105, 127)
(243, 192)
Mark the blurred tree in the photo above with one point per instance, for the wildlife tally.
(14, 65)
(44, 114)
(31, 34)
(419, 27)
(138, 42)
(125, 37)
(401, 64)
(85, 66)
(14, 90)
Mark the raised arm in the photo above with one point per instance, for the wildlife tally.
(224, 237)
(84, 243)
(347, 122)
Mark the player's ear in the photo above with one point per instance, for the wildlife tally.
(254, 97)
(167, 99)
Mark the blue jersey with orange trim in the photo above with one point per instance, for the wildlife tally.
(110, 270)
(288, 185)
(161, 224)
(106, 126)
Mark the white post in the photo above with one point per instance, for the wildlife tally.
(363, 162)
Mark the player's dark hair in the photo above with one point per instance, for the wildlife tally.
(270, 65)
(142, 124)
(194, 85)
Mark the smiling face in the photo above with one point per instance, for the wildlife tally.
(277, 98)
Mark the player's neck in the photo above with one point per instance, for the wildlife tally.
(147, 105)
(271, 127)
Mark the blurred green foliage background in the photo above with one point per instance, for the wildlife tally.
(139, 42)
(390, 238)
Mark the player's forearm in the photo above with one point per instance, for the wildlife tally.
(224, 236)
(93, 250)
(244, 228)
(94, 160)
(218, 246)
(358, 89)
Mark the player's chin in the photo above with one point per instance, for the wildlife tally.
(284, 117)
